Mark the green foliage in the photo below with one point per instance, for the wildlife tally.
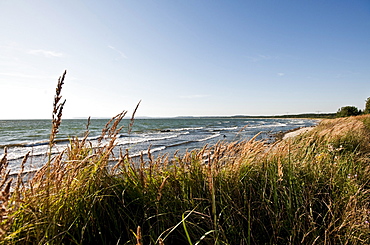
(367, 106)
(348, 111)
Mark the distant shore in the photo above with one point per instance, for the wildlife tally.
(287, 116)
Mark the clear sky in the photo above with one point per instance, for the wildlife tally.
(183, 58)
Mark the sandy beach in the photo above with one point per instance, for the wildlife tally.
(297, 132)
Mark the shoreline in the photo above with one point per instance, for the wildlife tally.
(295, 132)
(283, 135)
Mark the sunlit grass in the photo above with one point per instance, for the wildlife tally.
(311, 189)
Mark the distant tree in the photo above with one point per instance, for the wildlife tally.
(367, 106)
(348, 111)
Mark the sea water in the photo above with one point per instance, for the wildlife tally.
(162, 136)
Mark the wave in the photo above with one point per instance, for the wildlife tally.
(210, 137)
(177, 137)
(25, 144)
(145, 152)
(42, 142)
(223, 129)
(181, 143)
(181, 129)
(145, 139)
(269, 125)
(17, 153)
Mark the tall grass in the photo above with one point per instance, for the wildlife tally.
(311, 189)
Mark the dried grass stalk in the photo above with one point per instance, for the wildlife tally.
(57, 109)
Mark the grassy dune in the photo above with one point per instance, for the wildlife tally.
(310, 189)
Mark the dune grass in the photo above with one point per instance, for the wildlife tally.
(311, 189)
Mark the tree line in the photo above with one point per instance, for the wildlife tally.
(347, 111)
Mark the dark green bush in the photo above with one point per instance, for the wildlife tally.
(348, 111)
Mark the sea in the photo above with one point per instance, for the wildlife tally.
(161, 135)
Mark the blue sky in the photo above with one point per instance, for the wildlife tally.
(183, 58)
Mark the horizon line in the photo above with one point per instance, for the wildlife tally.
(189, 116)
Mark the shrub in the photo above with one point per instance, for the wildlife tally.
(348, 111)
(367, 106)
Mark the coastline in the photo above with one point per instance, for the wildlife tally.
(295, 132)
(283, 135)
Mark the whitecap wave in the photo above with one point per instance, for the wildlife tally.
(209, 137)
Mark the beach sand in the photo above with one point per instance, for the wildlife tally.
(297, 132)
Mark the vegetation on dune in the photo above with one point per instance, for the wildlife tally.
(347, 111)
(311, 189)
(367, 106)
